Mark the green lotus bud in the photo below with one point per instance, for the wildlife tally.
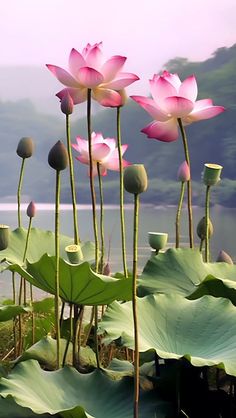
(135, 179)
(58, 156)
(74, 253)
(211, 174)
(25, 147)
(224, 257)
(201, 228)
(4, 237)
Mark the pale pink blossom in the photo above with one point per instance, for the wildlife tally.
(104, 152)
(183, 173)
(172, 100)
(87, 70)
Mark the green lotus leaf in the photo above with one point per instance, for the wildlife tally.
(217, 288)
(40, 242)
(180, 271)
(93, 394)
(8, 312)
(78, 282)
(202, 330)
(10, 409)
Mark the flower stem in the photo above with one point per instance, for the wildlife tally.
(134, 305)
(207, 217)
(19, 191)
(177, 222)
(101, 218)
(69, 335)
(72, 181)
(57, 287)
(189, 183)
(122, 217)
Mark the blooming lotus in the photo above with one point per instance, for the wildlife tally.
(173, 100)
(87, 70)
(104, 152)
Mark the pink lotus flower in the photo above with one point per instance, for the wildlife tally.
(104, 151)
(173, 100)
(88, 71)
(183, 173)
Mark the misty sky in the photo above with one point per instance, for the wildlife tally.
(148, 32)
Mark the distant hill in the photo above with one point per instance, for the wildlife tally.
(213, 140)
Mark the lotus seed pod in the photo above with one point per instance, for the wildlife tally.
(31, 210)
(183, 173)
(211, 174)
(4, 237)
(25, 147)
(107, 269)
(135, 179)
(201, 228)
(224, 257)
(74, 253)
(58, 156)
(67, 104)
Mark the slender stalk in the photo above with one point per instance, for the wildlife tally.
(96, 336)
(207, 217)
(69, 336)
(177, 222)
(92, 189)
(19, 191)
(122, 217)
(27, 239)
(101, 219)
(72, 182)
(189, 184)
(77, 336)
(89, 327)
(201, 245)
(134, 305)
(57, 288)
(32, 315)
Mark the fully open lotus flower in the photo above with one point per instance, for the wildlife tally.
(104, 151)
(87, 70)
(173, 100)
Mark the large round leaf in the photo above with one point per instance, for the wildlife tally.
(10, 409)
(40, 242)
(8, 312)
(94, 394)
(180, 271)
(78, 282)
(203, 330)
(216, 287)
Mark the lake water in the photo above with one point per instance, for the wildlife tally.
(152, 218)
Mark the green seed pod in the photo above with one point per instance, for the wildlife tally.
(211, 174)
(135, 179)
(58, 156)
(201, 228)
(4, 237)
(74, 253)
(224, 257)
(25, 147)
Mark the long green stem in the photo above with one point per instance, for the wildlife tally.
(134, 305)
(72, 181)
(96, 335)
(92, 189)
(207, 217)
(122, 216)
(19, 191)
(189, 184)
(177, 222)
(101, 218)
(57, 255)
(69, 335)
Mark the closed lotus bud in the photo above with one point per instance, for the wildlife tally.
(58, 156)
(224, 257)
(183, 173)
(25, 147)
(67, 104)
(201, 228)
(31, 210)
(135, 179)
(211, 174)
(4, 237)
(107, 269)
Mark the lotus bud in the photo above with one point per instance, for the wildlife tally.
(107, 269)
(201, 228)
(31, 210)
(67, 104)
(135, 179)
(4, 237)
(74, 253)
(183, 173)
(211, 174)
(25, 147)
(224, 257)
(58, 156)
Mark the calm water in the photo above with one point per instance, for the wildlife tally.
(157, 219)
